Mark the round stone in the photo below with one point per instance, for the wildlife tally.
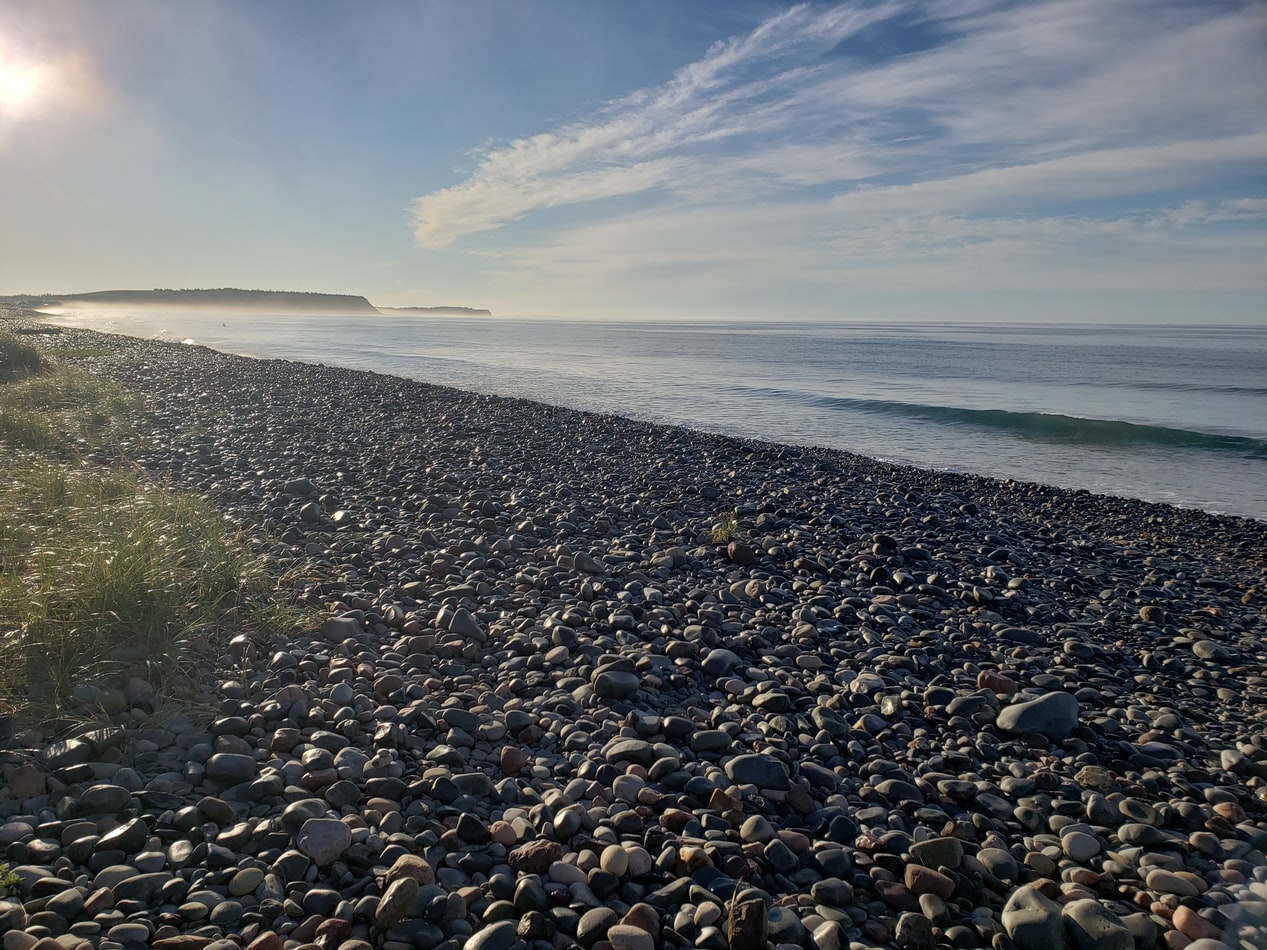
(1079, 846)
(323, 840)
(394, 905)
(230, 768)
(1169, 882)
(104, 800)
(246, 881)
(614, 860)
(595, 924)
(1033, 920)
(615, 684)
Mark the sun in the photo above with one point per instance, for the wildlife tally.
(22, 86)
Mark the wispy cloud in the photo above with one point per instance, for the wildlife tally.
(651, 139)
(913, 130)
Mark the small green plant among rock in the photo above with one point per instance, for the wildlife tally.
(725, 529)
(10, 883)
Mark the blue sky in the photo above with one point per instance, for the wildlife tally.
(965, 159)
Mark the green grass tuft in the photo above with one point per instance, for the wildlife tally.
(104, 574)
(66, 410)
(18, 358)
(10, 882)
(725, 529)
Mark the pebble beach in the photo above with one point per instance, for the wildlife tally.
(579, 681)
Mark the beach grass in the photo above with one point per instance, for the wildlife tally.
(46, 407)
(104, 574)
(18, 359)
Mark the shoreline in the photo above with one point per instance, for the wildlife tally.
(877, 706)
(731, 431)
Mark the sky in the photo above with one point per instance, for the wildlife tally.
(888, 161)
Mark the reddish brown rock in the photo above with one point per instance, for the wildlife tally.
(875, 930)
(1232, 811)
(535, 857)
(922, 880)
(388, 683)
(897, 896)
(799, 798)
(644, 917)
(410, 866)
(1193, 926)
(25, 781)
(513, 759)
(996, 682)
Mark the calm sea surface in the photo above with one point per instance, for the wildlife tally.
(1174, 414)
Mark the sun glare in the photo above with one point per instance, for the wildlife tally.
(17, 88)
(21, 86)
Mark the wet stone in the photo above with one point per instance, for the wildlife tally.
(128, 837)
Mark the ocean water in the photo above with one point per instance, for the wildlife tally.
(1172, 414)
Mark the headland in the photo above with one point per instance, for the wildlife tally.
(226, 300)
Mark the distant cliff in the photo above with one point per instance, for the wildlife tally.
(430, 311)
(260, 301)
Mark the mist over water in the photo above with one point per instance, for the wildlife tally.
(1173, 414)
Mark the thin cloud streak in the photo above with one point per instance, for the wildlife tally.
(1119, 172)
(705, 103)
